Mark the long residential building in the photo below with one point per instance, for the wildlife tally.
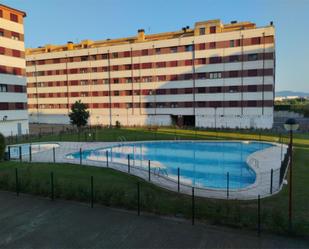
(13, 90)
(213, 75)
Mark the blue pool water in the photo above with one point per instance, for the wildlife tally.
(201, 164)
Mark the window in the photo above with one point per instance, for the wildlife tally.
(104, 56)
(255, 40)
(94, 70)
(105, 81)
(146, 65)
(83, 82)
(252, 57)
(136, 66)
(15, 36)
(202, 46)
(128, 67)
(144, 52)
(201, 76)
(189, 48)
(252, 72)
(212, 30)
(93, 57)
(202, 31)
(213, 60)
(115, 68)
(201, 90)
(115, 55)
(1, 33)
(83, 70)
(232, 43)
(233, 89)
(2, 50)
(188, 62)
(161, 64)
(233, 74)
(126, 54)
(16, 53)
(173, 49)
(116, 81)
(234, 58)
(13, 17)
(128, 80)
(212, 45)
(161, 78)
(147, 79)
(84, 58)
(3, 88)
(173, 63)
(1, 13)
(158, 50)
(215, 75)
(84, 94)
(116, 93)
(252, 88)
(95, 82)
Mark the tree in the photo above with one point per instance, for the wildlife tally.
(79, 114)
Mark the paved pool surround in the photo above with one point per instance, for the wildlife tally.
(261, 162)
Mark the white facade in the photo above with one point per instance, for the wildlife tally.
(13, 96)
(42, 110)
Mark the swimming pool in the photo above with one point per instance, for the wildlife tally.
(201, 164)
(25, 149)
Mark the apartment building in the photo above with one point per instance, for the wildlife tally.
(13, 90)
(212, 75)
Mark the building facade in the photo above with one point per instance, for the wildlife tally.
(214, 75)
(13, 90)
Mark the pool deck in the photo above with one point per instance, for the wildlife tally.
(261, 162)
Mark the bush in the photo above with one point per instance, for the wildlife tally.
(2, 147)
(118, 125)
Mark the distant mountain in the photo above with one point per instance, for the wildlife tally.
(291, 93)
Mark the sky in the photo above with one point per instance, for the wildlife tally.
(59, 21)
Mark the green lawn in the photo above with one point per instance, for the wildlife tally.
(118, 189)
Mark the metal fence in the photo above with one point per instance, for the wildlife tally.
(267, 181)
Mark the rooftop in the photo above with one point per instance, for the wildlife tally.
(200, 28)
(19, 12)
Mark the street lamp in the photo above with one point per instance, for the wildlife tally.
(291, 125)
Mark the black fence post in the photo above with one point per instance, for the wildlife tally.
(149, 170)
(178, 179)
(259, 216)
(193, 207)
(80, 156)
(138, 199)
(54, 155)
(52, 185)
(30, 153)
(271, 180)
(20, 154)
(228, 185)
(91, 189)
(16, 182)
(107, 159)
(129, 164)
(9, 151)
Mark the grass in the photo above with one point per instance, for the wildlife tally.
(118, 189)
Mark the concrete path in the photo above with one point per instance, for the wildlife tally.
(33, 222)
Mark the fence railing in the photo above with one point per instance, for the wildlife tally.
(267, 182)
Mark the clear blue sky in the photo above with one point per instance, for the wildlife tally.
(59, 21)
